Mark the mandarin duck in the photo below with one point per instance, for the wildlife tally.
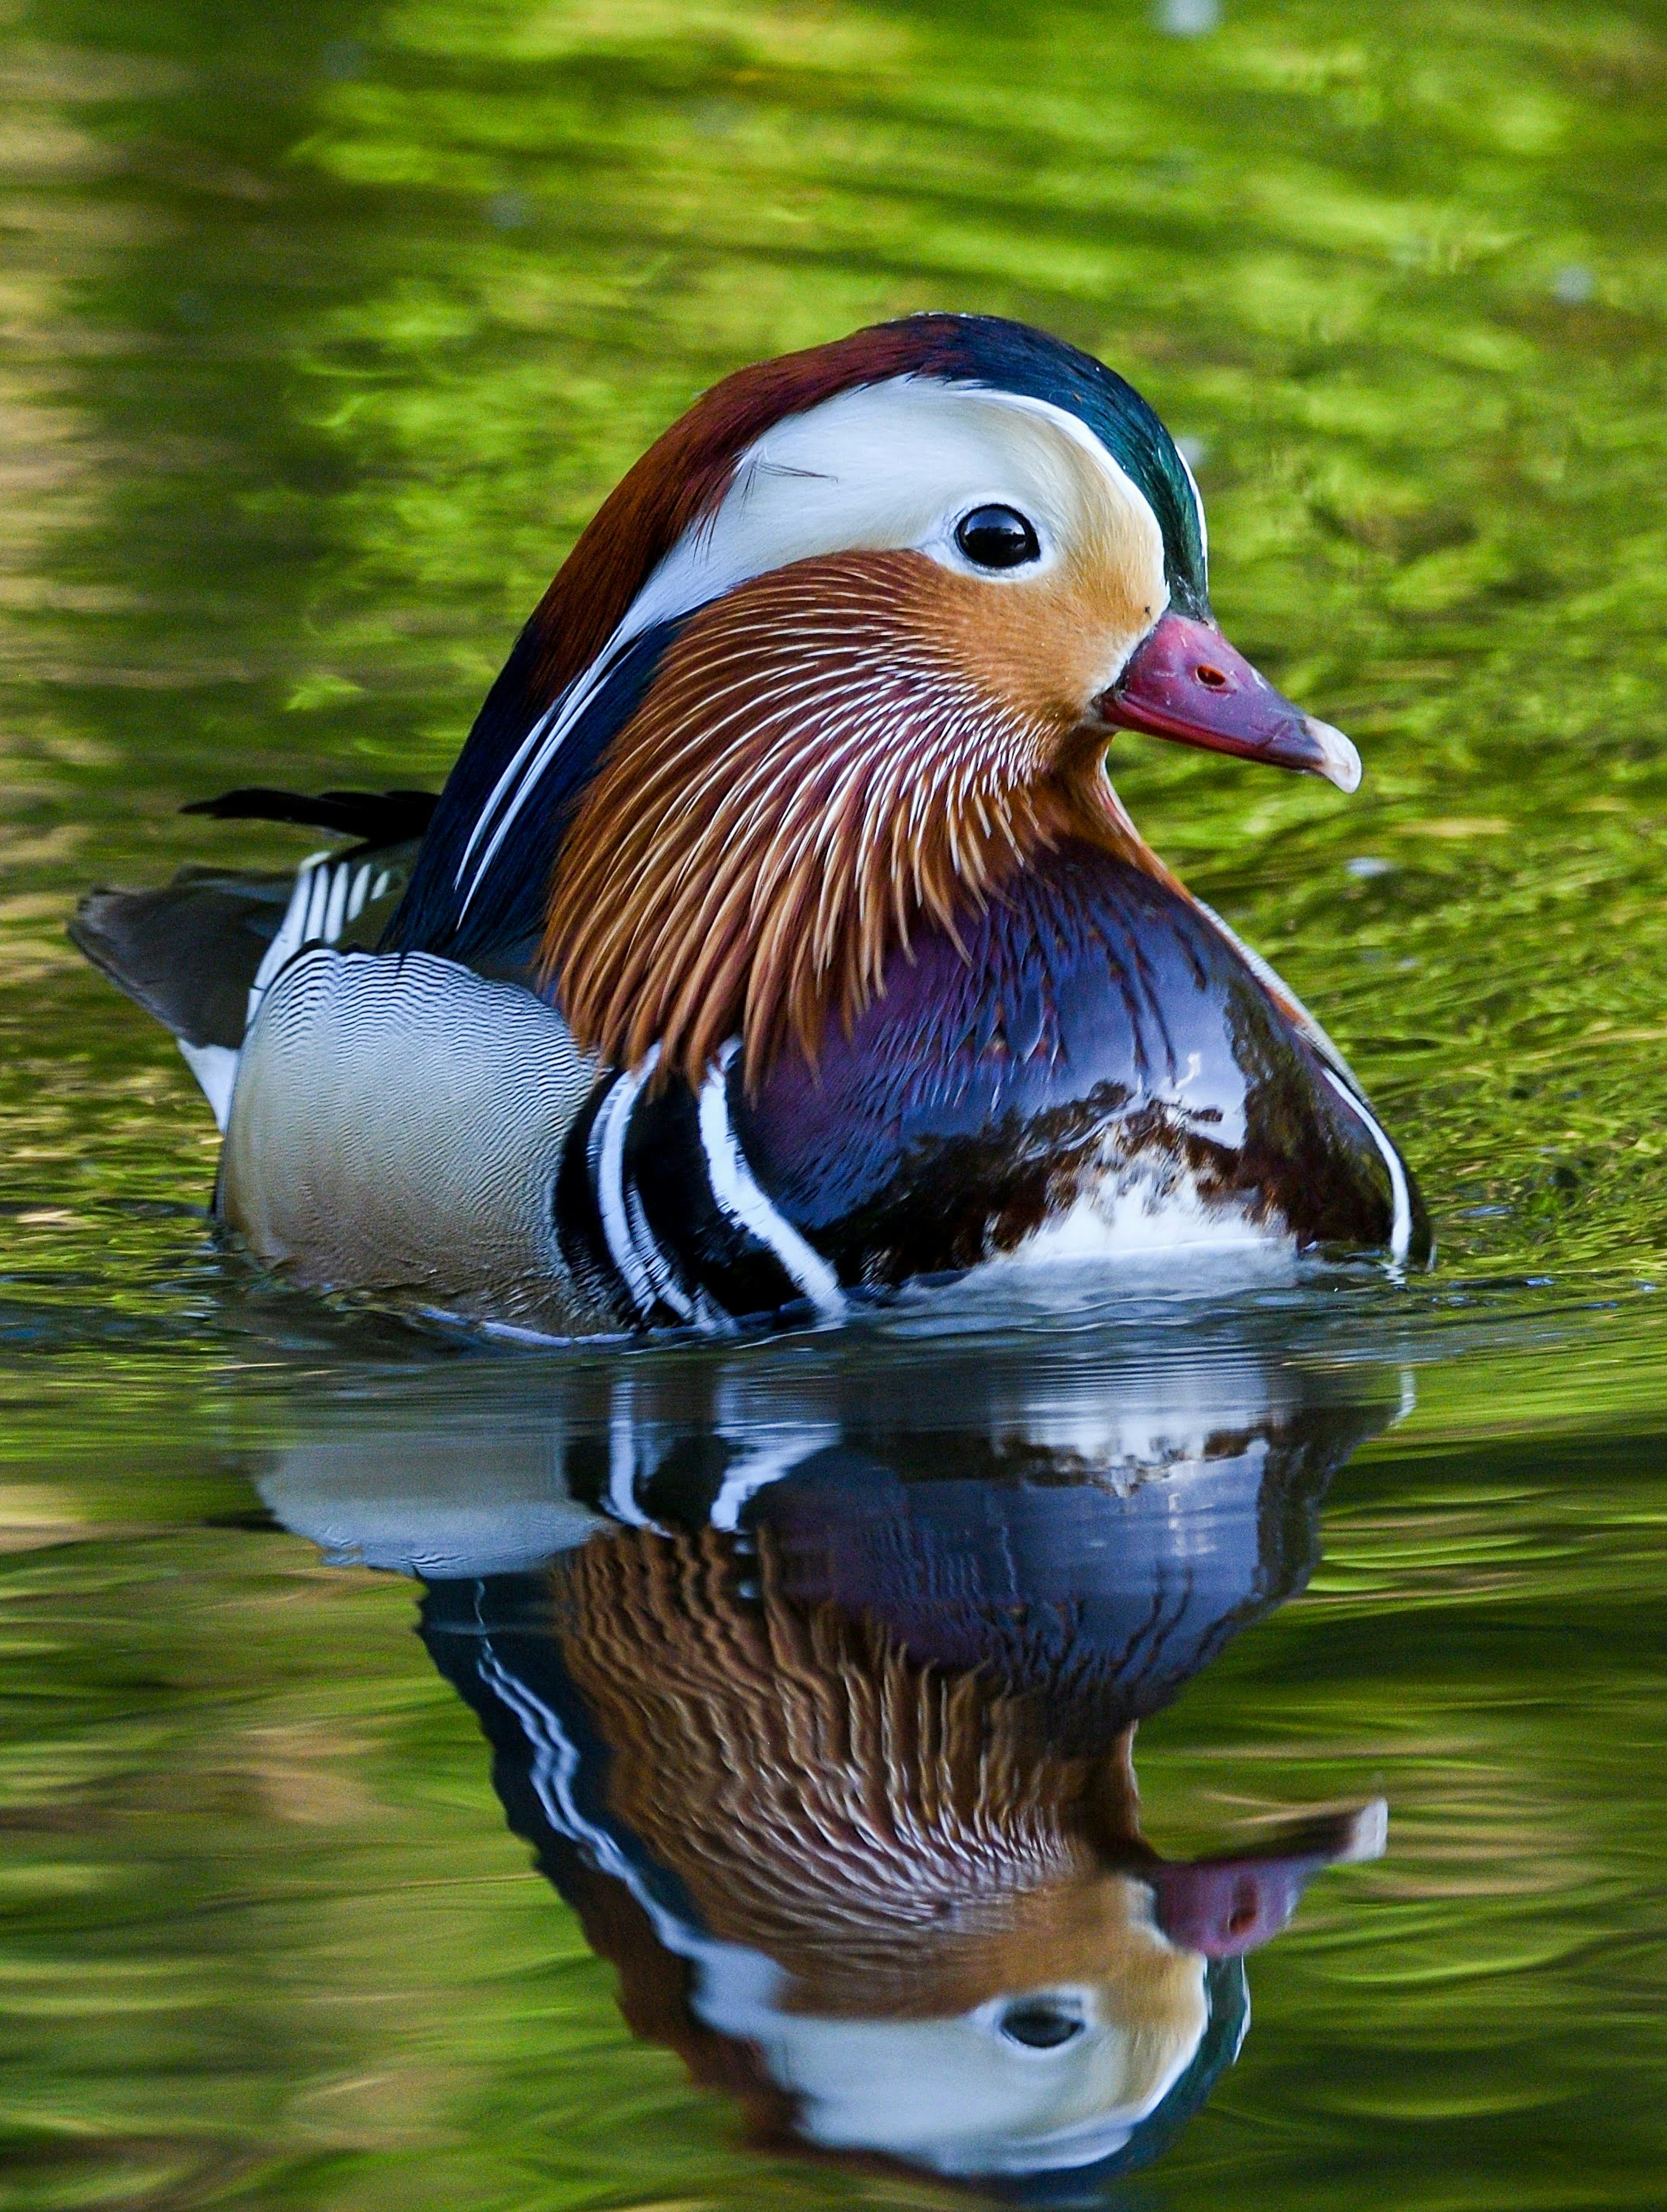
(779, 939)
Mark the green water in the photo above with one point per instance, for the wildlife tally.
(323, 329)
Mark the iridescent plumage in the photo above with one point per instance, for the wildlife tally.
(791, 808)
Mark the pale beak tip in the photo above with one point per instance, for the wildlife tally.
(1369, 1836)
(1339, 762)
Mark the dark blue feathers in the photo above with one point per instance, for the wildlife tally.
(499, 924)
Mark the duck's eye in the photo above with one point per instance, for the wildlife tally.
(997, 537)
(1041, 2025)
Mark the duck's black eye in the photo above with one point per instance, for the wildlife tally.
(1040, 2025)
(997, 537)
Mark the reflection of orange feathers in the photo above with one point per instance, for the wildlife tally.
(829, 757)
(889, 1834)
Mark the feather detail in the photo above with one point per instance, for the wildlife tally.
(897, 1836)
(829, 757)
(871, 1824)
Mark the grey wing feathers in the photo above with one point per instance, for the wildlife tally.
(192, 954)
(399, 1122)
(187, 953)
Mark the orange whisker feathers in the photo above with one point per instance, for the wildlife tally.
(815, 768)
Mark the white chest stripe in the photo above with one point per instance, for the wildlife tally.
(649, 1276)
(740, 1198)
(607, 1149)
(622, 1465)
(555, 1769)
(665, 1285)
(775, 1456)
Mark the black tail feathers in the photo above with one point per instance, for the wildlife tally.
(373, 818)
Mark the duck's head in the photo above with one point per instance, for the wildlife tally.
(846, 647)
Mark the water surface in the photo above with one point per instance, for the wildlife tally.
(322, 330)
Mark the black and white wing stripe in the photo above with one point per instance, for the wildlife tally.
(659, 1215)
(329, 895)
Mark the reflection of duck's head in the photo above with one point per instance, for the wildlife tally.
(927, 1930)
(1033, 2080)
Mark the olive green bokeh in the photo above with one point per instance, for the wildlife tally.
(323, 328)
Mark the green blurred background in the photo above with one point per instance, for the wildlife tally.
(327, 326)
(323, 329)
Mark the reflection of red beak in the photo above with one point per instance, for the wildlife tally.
(1226, 1907)
(1187, 683)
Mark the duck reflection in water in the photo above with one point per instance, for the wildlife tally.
(825, 1733)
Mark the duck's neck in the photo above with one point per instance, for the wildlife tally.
(810, 788)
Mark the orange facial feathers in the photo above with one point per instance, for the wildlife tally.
(828, 756)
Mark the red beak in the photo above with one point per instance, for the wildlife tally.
(1186, 682)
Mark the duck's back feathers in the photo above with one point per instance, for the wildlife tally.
(189, 953)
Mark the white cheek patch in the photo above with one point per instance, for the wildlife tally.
(889, 467)
(951, 2095)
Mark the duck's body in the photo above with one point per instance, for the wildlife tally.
(779, 939)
